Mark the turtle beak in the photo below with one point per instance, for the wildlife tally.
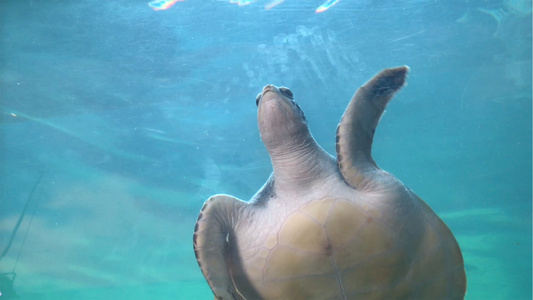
(266, 88)
(269, 88)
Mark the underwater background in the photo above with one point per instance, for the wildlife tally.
(119, 120)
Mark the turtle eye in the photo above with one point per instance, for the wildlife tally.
(257, 99)
(286, 92)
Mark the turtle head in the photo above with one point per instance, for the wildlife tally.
(281, 121)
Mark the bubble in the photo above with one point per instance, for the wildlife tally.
(302, 30)
(280, 39)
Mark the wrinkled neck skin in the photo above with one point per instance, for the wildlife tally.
(299, 164)
(298, 161)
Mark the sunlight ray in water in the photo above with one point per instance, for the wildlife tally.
(273, 3)
(166, 4)
(162, 4)
(241, 2)
(326, 6)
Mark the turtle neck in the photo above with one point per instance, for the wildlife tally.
(300, 164)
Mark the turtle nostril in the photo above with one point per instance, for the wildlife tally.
(257, 99)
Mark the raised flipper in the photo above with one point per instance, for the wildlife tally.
(355, 132)
(215, 222)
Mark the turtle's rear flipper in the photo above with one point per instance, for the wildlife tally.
(215, 223)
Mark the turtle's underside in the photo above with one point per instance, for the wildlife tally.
(326, 228)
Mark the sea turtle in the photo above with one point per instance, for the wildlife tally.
(326, 228)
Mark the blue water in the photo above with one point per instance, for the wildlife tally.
(123, 120)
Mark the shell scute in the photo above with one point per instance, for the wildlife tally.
(318, 210)
(286, 262)
(345, 220)
(303, 233)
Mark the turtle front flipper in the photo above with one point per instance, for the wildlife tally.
(215, 222)
(355, 132)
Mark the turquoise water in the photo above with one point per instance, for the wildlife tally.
(118, 121)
